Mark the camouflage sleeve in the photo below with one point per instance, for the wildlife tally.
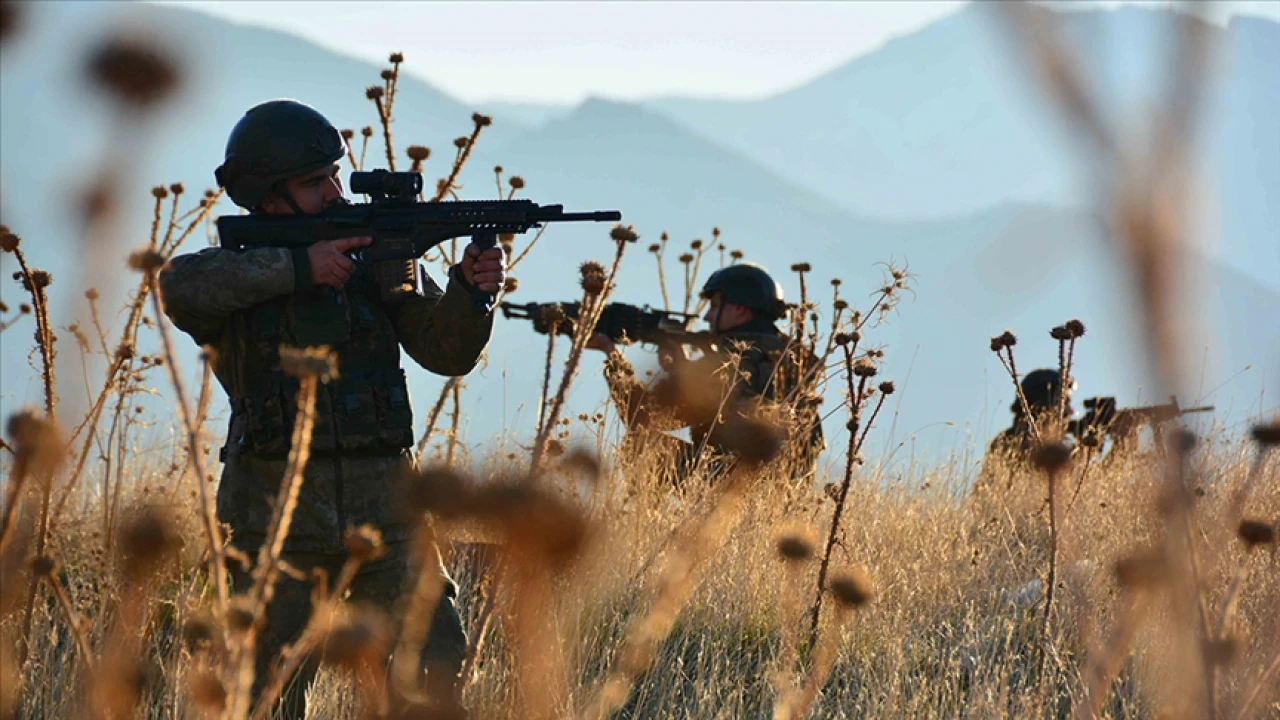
(443, 330)
(636, 405)
(202, 290)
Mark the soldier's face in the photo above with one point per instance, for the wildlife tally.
(724, 316)
(313, 192)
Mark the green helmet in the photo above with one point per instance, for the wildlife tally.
(1042, 388)
(275, 140)
(749, 285)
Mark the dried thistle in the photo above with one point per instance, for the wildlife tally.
(8, 241)
(159, 192)
(387, 74)
(461, 142)
(373, 92)
(1256, 532)
(853, 588)
(655, 248)
(481, 120)
(686, 258)
(137, 73)
(395, 58)
(319, 362)
(735, 254)
(801, 268)
(1051, 457)
(887, 387)
(418, 153)
(1060, 333)
(509, 285)
(516, 182)
(146, 260)
(366, 131)
(1075, 328)
(145, 541)
(864, 369)
(794, 547)
(1267, 436)
(347, 135)
(363, 543)
(695, 245)
(623, 233)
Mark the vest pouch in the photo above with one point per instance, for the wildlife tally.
(267, 428)
(395, 416)
(322, 439)
(355, 410)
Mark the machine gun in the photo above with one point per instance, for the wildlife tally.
(403, 229)
(1104, 418)
(619, 322)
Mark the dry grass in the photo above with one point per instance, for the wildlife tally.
(604, 593)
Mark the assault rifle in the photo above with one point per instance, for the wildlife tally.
(1122, 424)
(619, 322)
(403, 229)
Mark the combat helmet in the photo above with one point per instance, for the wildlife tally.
(275, 140)
(1042, 388)
(749, 285)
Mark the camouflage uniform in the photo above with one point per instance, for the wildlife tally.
(758, 347)
(245, 306)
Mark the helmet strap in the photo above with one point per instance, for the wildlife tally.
(280, 188)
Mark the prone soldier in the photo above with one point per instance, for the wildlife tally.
(750, 363)
(282, 159)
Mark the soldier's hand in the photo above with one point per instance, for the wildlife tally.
(484, 270)
(601, 342)
(329, 265)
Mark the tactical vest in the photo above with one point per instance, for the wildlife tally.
(365, 409)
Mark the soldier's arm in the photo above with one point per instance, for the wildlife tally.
(443, 330)
(201, 290)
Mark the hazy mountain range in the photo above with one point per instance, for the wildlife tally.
(929, 151)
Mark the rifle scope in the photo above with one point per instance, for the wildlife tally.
(382, 184)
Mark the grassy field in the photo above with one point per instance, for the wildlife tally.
(1141, 585)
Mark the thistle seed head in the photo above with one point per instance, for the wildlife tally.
(1060, 333)
(396, 58)
(695, 245)
(346, 135)
(373, 92)
(8, 241)
(366, 131)
(794, 547)
(177, 188)
(516, 182)
(136, 73)
(623, 233)
(145, 542)
(386, 74)
(159, 192)
(1075, 328)
(461, 142)
(418, 153)
(146, 260)
(43, 566)
(1267, 436)
(481, 120)
(735, 254)
(801, 268)
(1256, 532)
(1051, 457)
(686, 258)
(852, 588)
(363, 543)
(509, 285)
(864, 369)
(655, 248)
(887, 387)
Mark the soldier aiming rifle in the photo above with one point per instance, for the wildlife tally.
(307, 268)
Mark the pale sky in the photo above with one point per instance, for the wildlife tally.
(561, 52)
